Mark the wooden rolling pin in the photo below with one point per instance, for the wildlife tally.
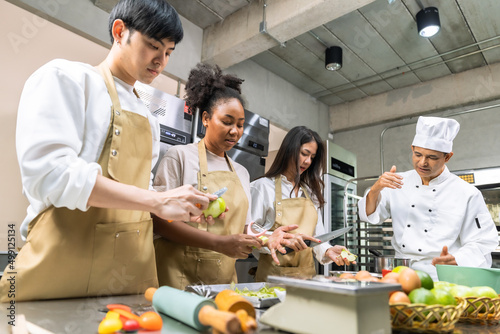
(231, 301)
(193, 310)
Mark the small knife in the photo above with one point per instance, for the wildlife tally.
(220, 192)
(323, 238)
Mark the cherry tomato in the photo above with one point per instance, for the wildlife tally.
(131, 325)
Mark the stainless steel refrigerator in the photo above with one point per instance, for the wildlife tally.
(339, 210)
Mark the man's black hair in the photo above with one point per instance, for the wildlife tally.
(154, 18)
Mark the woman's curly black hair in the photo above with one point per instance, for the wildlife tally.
(207, 87)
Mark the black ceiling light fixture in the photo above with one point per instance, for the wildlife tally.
(333, 58)
(428, 23)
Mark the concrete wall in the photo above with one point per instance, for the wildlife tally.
(281, 102)
(467, 88)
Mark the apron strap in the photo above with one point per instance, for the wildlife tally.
(202, 155)
(277, 202)
(279, 198)
(110, 85)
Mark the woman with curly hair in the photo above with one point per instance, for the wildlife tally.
(290, 194)
(187, 252)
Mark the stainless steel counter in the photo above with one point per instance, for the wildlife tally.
(82, 316)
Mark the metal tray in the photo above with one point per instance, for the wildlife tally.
(213, 290)
(323, 284)
(339, 272)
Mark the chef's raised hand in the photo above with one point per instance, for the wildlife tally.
(237, 246)
(184, 203)
(444, 258)
(334, 253)
(388, 180)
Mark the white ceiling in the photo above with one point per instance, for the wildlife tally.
(381, 46)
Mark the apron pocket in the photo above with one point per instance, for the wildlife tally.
(208, 270)
(206, 267)
(126, 245)
(293, 272)
(123, 258)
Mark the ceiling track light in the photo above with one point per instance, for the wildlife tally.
(333, 58)
(428, 23)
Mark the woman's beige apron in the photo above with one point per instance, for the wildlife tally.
(179, 265)
(290, 211)
(100, 252)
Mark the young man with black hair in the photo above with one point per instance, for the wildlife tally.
(86, 166)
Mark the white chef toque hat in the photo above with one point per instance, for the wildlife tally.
(435, 133)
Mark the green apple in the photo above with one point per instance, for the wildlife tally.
(461, 291)
(443, 285)
(215, 208)
(346, 255)
(399, 269)
(484, 291)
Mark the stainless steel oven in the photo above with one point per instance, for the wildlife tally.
(175, 121)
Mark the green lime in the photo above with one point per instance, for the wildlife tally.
(425, 279)
(399, 269)
(443, 297)
(422, 296)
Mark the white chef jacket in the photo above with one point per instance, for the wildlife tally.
(448, 212)
(62, 123)
(264, 214)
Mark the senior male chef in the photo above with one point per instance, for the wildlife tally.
(437, 217)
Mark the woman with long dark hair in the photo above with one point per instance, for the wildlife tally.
(290, 194)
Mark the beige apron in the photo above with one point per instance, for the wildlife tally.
(100, 252)
(290, 211)
(179, 265)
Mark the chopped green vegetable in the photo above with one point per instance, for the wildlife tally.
(264, 292)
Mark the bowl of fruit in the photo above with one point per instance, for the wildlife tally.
(421, 306)
(478, 286)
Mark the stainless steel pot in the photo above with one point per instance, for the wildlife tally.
(387, 262)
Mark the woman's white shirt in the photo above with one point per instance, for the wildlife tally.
(264, 214)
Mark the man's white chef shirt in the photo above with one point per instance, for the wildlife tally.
(448, 212)
(62, 123)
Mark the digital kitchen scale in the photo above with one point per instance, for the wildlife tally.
(321, 305)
